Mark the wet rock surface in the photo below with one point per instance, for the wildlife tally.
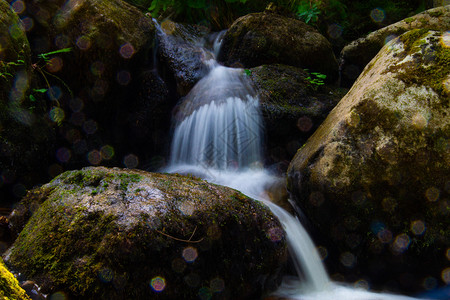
(184, 58)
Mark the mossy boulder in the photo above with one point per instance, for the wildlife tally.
(267, 38)
(103, 233)
(15, 60)
(293, 106)
(9, 286)
(374, 177)
(25, 132)
(95, 84)
(355, 56)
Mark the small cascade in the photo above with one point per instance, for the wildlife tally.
(219, 123)
(219, 136)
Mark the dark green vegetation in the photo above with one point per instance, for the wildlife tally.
(103, 233)
(353, 17)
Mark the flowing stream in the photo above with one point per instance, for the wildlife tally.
(219, 136)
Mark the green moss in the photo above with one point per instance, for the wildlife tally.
(436, 14)
(434, 65)
(409, 20)
(9, 286)
(412, 38)
(126, 179)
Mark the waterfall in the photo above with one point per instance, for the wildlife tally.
(218, 136)
(219, 123)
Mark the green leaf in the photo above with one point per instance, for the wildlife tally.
(32, 98)
(45, 55)
(40, 90)
(247, 72)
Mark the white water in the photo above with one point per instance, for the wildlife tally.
(218, 137)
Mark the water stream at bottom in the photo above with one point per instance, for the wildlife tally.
(315, 283)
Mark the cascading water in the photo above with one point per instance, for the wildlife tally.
(218, 136)
(224, 132)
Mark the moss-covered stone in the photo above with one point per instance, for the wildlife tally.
(374, 176)
(292, 106)
(356, 55)
(9, 286)
(24, 131)
(267, 38)
(103, 233)
(110, 45)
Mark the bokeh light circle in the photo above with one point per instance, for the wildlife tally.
(131, 161)
(126, 50)
(335, 31)
(377, 15)
(158, 284)
(190, 254)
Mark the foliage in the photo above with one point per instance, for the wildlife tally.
(340, 20)
(45, 56)
(45, 60)
(308, 11)
(315, 79)
(5, 67)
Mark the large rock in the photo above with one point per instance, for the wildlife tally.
(105, 233)
(106, 37)
(293, 106)
(356, 55)
(96, 84)
(266, 38)
(182, 54)
(25, 133)
(374, 177)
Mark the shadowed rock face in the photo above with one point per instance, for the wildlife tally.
(25, 133)
(374, 176)
(266, 38)
(292, 107)
(183, 55)
(356, 55)
(103, 233)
